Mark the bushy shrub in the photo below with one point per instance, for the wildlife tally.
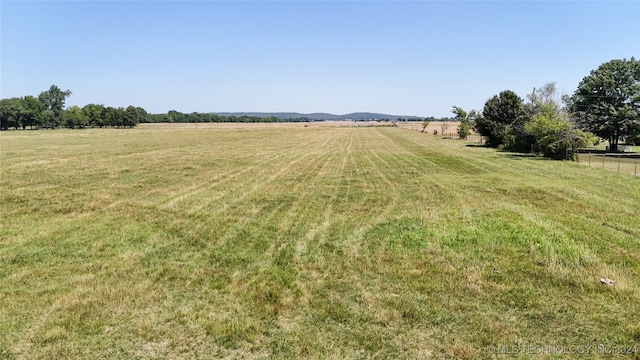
(464, 129)
(554, 137)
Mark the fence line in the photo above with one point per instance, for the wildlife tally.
(476, 138)
(628, 164)
(472, 137)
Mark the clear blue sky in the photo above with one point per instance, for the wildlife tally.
(402, 58)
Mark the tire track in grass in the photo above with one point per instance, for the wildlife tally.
(250, 280)
(268, 180)
(229, 176)
(227, 195)
(406, 163)
(218, 179)
(271, 184)
(236, 201)
(444, 161)
(291, 226)
(413, 171)
(331, 165)
(384, 189)
(329, 171)
(184, 192)
(473, 162)
(297, 229)
(315, 262)
(371, 156)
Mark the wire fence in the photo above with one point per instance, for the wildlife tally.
(476, 138)
(622, 163)
(471, 138)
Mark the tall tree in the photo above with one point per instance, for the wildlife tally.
(130, 116)
(607, 101)
(33, 115)
(53, 100)
(114, 116)
(502, 110)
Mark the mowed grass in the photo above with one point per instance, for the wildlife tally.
(318, 242)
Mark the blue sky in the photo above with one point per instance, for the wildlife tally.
(402, 58)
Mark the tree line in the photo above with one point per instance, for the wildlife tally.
(174, 116)
(47, 112)
(606, 105)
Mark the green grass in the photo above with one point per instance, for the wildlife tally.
(315, 242)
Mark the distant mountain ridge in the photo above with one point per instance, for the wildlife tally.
(359, 116)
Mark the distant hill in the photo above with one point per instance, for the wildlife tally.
(358, 116)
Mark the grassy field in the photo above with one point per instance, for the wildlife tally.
(316, 242)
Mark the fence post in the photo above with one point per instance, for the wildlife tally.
(618, 163)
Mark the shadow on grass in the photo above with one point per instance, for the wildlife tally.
(529, 156)
(478, 145)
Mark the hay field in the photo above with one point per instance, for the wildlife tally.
(307, 242)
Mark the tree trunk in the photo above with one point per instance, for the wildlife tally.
(614, 145)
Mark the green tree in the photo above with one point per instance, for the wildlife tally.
(11, 111)
(130, 116)
(113, 116)
(75, 118)
(49, 120)
(544, 99)
(425, 123)
(143, 115)
(500, 111)
(53, 100)
(555, 137)
(33, 112)
(607, 101)
(547, 129)
(634, 139)
(95, 114)
(464, 129)
(176, 117)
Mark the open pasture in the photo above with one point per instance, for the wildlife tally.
(315, 242)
